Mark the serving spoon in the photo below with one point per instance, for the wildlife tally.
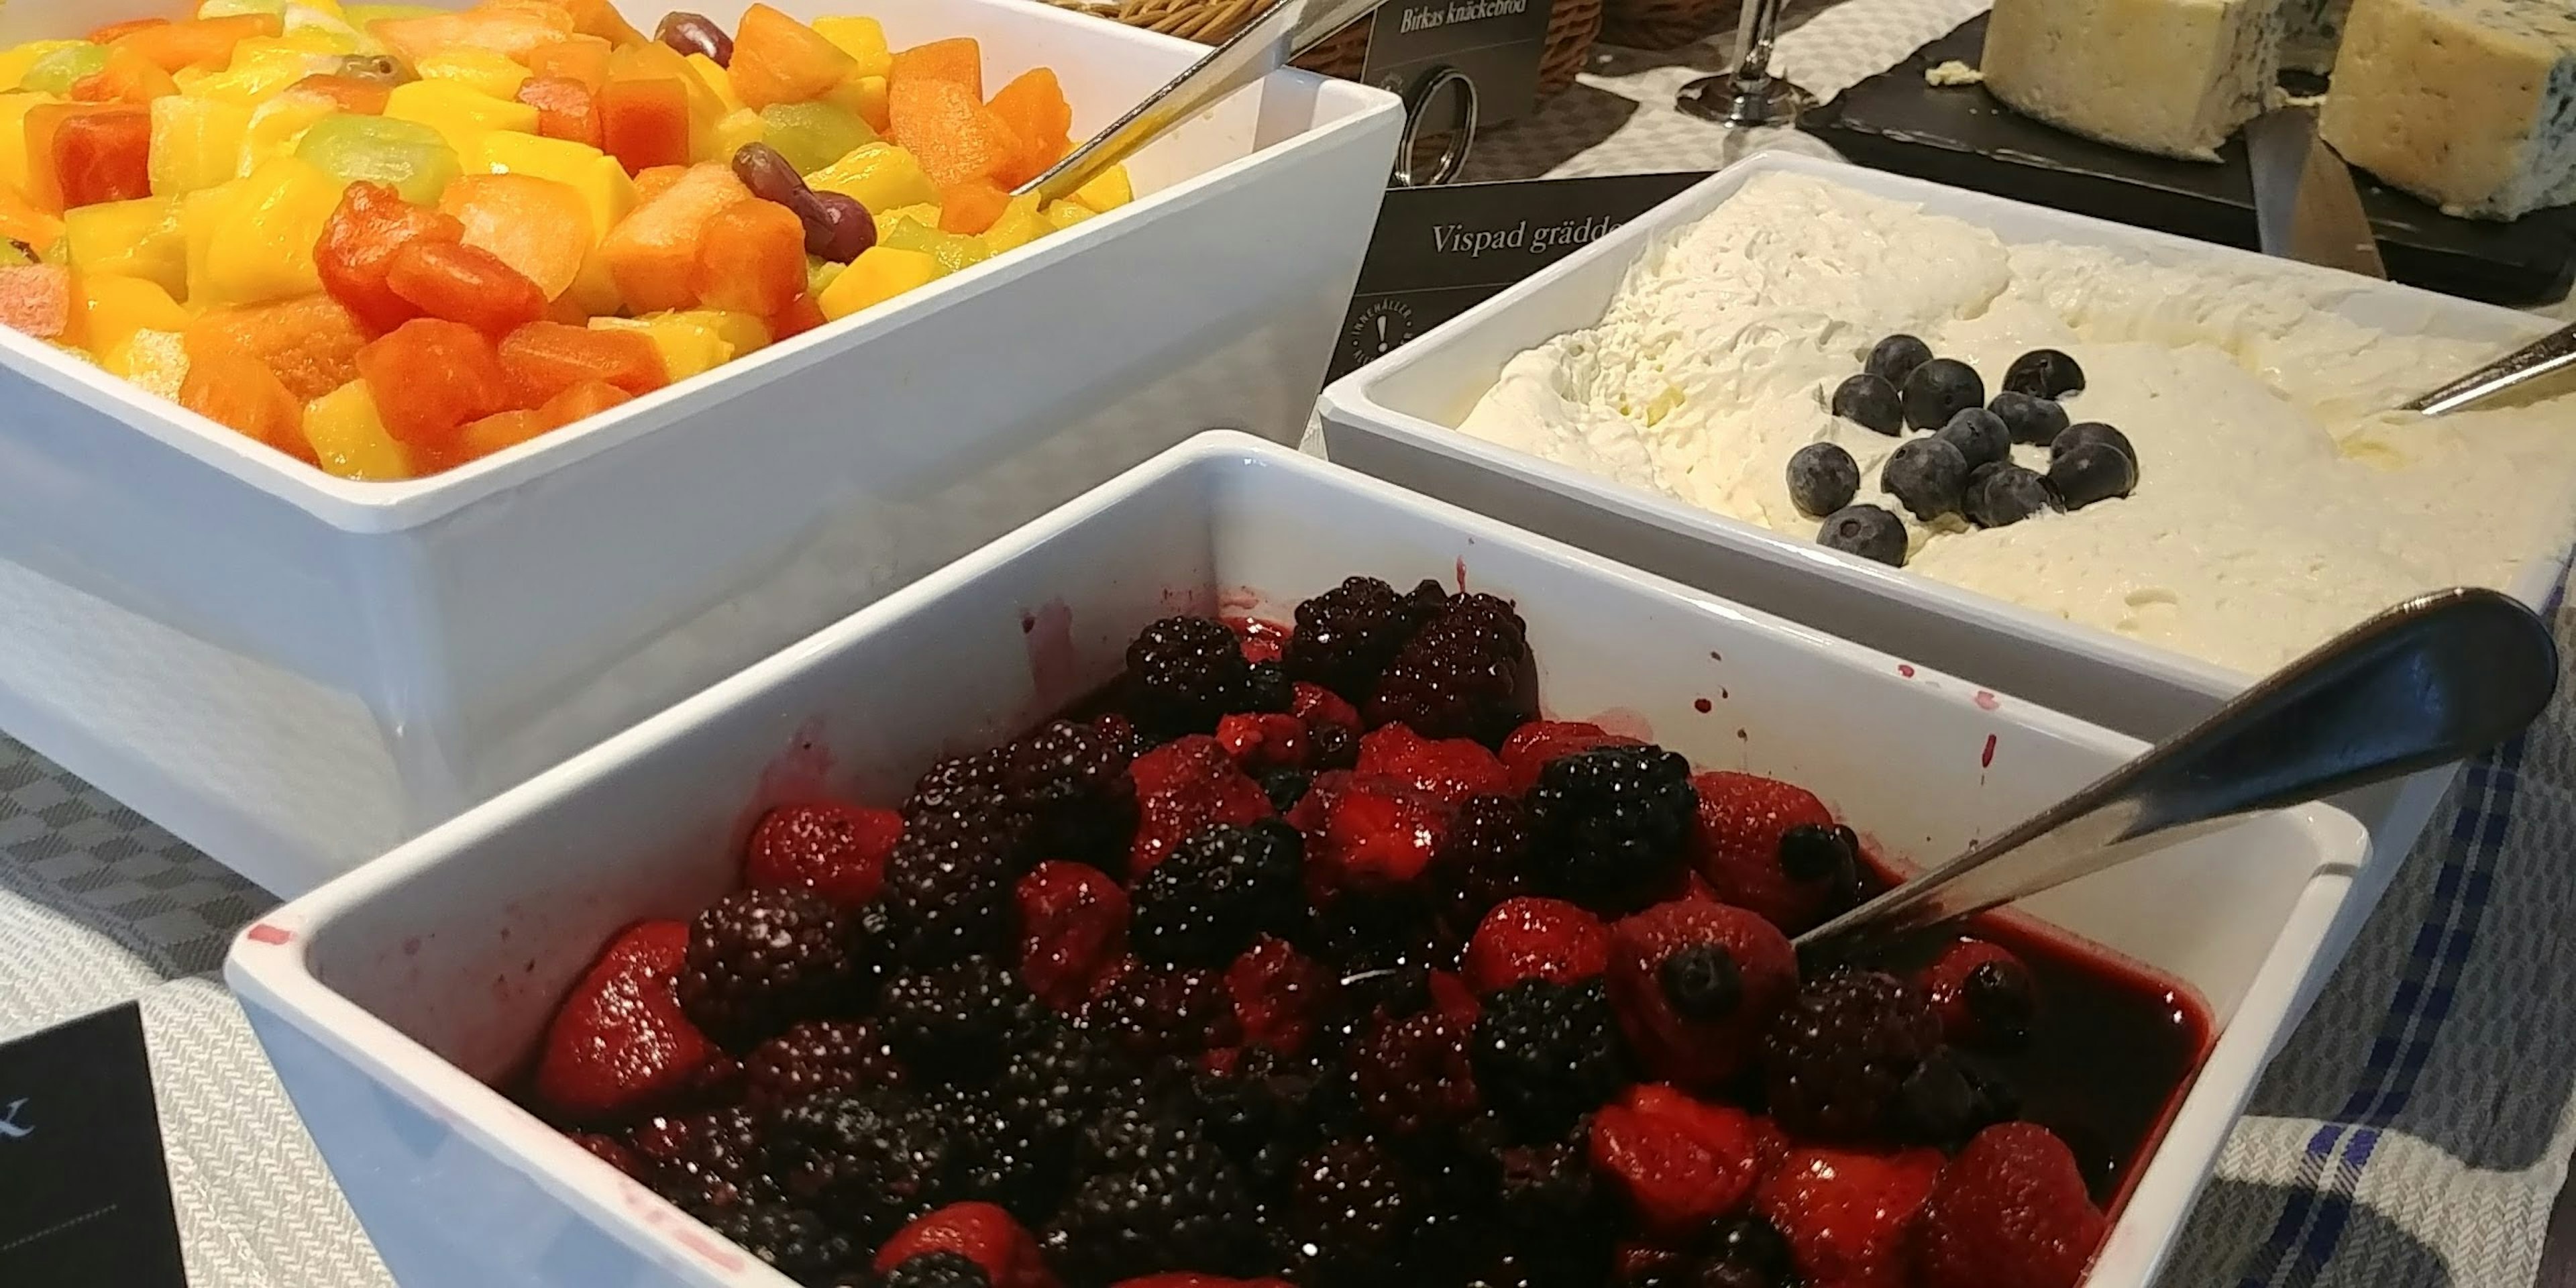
(2551, 352)
(2433, 680)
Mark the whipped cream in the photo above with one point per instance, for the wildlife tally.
(2277, 503)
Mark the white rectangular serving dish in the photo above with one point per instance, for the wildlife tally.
(295, 672)
(386, 997)
(1397, 418)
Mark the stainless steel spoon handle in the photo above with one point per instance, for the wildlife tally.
(2431, 681)
(2528, 363)
(1245, 57)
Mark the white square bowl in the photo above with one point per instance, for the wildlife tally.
(387, 997)
(1397, 418)
(295, 672)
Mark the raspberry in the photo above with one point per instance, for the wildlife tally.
(760, 959)
(1346, 636)
(1983, 993)
(2009, 1212)
(1546, 1053)
(1682, 1163)
(1183, 673)
(705, 1162)
(956, 1023)
(1534, 744)
(1527, 938)
(1414, 1074)
(1696, 985)
(1750, 857)
(949, 896)
(1354, 1205)
(1610, 828)
(1448, 770)
(802, 1246)
(1183, 1208)
(940, 1269)
(1370, 832)
(1219, 890)
(867, 1162)
(1320, 708)
(1846, 1214)
(1466, 674)
(1073, 931)
(1183, 787)
(1278, 995)
(838, 851)
(1071, 780)
(1837, 1058)
(1480, 863)
(1261, 742)
(816, 1057)
(1151, 1011)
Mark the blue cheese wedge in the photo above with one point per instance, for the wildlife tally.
(2172, 77)
(2469, 104)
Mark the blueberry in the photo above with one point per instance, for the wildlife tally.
(2002, 495)
(1870, 403)
(1939, 390)
(2036, 421)
(1896, 357)
(2044, 373)
(1928, 475)
(1980, 436)
(2089, 431)
(1822, 478)
(1867, 531)
(2091, 472)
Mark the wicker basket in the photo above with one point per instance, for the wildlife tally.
(1664, 24)
(1571, 28)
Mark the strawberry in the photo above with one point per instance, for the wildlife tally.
(2009, 1212)
(1695, 984)
(1185, 785)
(838, 851)
(1263, 740)
(1534, 744)
(1073, 929)
(1317, 705)
(620, 1046)
(1748, 855)
(983, 1234)
(1367, 831)
(1532, 938)
(1983, 994)
(1681, 1162)
(1278, 994)
(1449, 770)
(1847, 1214)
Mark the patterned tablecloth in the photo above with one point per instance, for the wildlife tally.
(2413, 1132)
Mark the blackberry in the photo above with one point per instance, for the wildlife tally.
(1547, 1053)
(703, 1163)
(1746, 1252)
(1836, 1059)
(1285, 787)
(1559, 1221)
(1005, 1159)
(1264, 1112)
(1182, 1209)
(1467, 674)
(1217, 891)
(1060, 1079)
(1266, 687)
(1413, 1074)
(949, 896)
(960, 786)
(941, 1269)
(758, 960)
(1366, 932)
(1071, 780)
(1183, 673)
(801, 1245)
(869, 1163)
(1482, 862)
(1346, 636)
(1354, 1205)
(954, 1024)
(1610, 828)
(1151, 1012)
(816, 1057)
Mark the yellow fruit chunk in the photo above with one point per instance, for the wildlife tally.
(121, 308)
(15, 61)
(1107, 192)
(1065, 214)
(196, 143)
(1019, 225)
(734, 131)
(277, 125)
(863, 39)
(479, 70)
(251, 240)
(157, 360)
(13, 137)
(288, 9)
(349, 436)
(719, 82)
(688, 348)
(140, 239)
(261, 67)
(866, 96)
(462, 116)
(882, 176)
(877, 275)
(597, 176)
(361, 16)
(924, 213)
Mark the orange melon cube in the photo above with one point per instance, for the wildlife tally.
(751, 259)
(582, 58)
(129, 77)
(38, 300)
(951, 132)
(238, 391)
(644, 121)
(546, 359)
(958, 60)
(433, 377)
(652, 254)
(198, 42)
(777, 59)
(467, 284)
(310, 343)
(1033, 106)
(599, 19)
(537, 226)
(971, 207)
(513, 31)
(585, 400)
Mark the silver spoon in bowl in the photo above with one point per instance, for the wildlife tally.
(2434, 680)
(2551, 352)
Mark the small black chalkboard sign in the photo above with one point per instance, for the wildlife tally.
(84, 1194)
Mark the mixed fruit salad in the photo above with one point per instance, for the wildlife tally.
(1311, 955)
(388, 239)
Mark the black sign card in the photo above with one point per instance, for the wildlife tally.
(84, 1197)
(1494, 43)
(1439, 252)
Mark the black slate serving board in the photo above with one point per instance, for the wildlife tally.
(1961, 136)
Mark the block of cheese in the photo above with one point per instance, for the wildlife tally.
(2469, 104)
(2174, 77)
(2310, 32)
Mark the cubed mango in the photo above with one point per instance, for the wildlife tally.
(880, 273)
